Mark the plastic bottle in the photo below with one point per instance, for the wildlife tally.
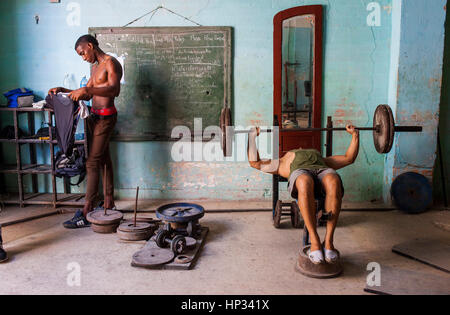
(83, 82)
(79, 135)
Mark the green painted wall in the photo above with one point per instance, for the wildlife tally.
(356, 76)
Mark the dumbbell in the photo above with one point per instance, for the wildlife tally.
(177, 244)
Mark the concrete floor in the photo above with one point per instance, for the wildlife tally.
(243, 254)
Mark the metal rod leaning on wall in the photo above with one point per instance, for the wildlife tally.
(441, 164)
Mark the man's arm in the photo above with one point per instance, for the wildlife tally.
(339, 161)
(266, 166)
(111, 90)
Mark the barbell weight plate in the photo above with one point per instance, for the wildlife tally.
(190, 242)
(128, 226)
(152, 257)
(412, 192)
(134, 236)
(392, 128)
(181, 212)
(98, 217)
(104, 228)
(383, 135)
(277, 214)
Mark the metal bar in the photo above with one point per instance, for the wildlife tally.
(441, 164)
(40, 216)
(52, 158)
(408, 128)
(33, 160)
(18, 159)
(397, 129)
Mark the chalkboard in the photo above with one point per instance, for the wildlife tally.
(171, 76)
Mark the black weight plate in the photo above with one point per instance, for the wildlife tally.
(277, 214)
(412, 192)
(181, 212)
(160, 237)
(178, 244)
(383, 137)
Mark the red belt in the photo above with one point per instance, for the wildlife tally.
(105, 111)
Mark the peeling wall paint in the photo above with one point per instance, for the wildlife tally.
(418, 86)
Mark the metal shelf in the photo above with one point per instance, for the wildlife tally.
(34, 168)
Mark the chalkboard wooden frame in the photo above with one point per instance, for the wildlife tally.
(164, 134)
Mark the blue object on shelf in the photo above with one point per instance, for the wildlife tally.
(412, 192)
(14, 94)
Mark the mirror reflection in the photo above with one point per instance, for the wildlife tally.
(297, 63)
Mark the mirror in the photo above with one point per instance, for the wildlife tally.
(297, 81)
(297, 71)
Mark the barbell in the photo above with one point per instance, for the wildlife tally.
(383, 129)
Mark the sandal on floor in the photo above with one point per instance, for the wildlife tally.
(316, 256)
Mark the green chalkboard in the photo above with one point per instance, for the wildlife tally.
(171, 76)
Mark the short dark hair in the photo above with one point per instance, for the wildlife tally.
(86, 39)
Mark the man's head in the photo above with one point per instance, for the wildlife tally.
(86, 46)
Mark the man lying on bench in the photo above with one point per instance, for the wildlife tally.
(304, 168)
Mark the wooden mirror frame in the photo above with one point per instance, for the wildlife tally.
(292, 139)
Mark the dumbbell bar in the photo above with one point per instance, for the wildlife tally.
(383, 129)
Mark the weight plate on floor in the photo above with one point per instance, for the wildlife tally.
(182, 259)
(383, 136)
(190, 242)
(277, 214)
(105, 228)
(128, 226)
(134, 236)
(152, 257)
(412, 192)
(98, 217)
(181, 212)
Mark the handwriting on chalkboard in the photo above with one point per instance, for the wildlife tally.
(173, 75)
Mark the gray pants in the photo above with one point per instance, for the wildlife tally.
(317, 175)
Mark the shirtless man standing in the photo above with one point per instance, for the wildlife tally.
(304, 167)
(103, 87)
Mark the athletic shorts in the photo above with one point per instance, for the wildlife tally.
(317, 175)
